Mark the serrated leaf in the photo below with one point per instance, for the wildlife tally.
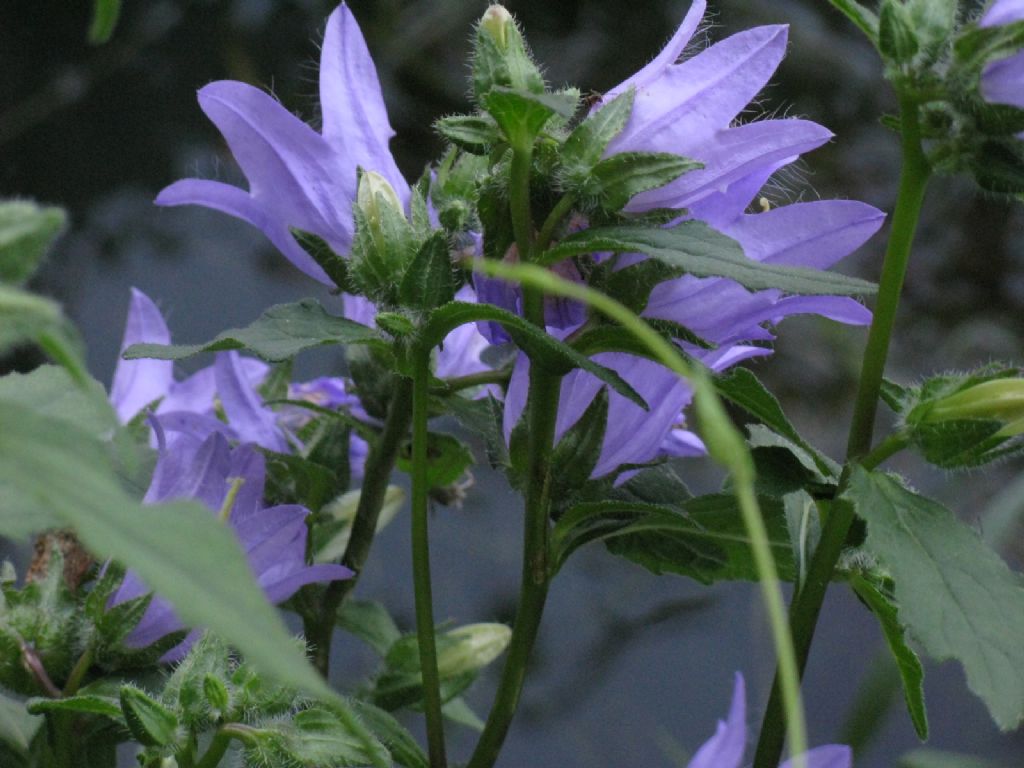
(179, 549)
(897, 39)
(701, 251)
(624, 175)
(522, 114)
(370, 622)
(336, 267)
(909, 666)
(429, 280)
(278, 334)
(543, 349)
(744, 389)
(865, 19)
(26, 232)
(577, 453)
(588, 141)
(26, 318)
(315, 737)
(954, 594)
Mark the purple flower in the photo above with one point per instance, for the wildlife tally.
(725, 749)
(274, 539)
(690, 108)
(1002, 81)
(298, 177)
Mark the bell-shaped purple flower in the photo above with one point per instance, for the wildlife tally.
(274, 539)
(725, 749)
(691, 107)
(1002, 81)
(299, 178)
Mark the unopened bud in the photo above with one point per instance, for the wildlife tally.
(385, 241)
(998, 399)
(468, 648)
(375, 191)
(496, 21)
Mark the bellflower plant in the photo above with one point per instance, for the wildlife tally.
(571, 290)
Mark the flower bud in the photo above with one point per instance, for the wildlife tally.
(384, 243)
(500, 56)
(496, 22)
(997, 399)
(468, 648)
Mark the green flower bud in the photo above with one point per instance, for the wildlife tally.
(998, 399)
(385, 241)
(496, 22)
(469, 648)
(500, 56)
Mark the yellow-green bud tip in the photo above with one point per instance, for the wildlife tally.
(495, 22)
(1001, 399)
(374, 190)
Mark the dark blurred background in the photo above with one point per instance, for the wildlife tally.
(631, 669)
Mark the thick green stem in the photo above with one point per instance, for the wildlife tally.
(559, 212)
(806, 605)
(519, 190)
(215, 752)
(379, 463)
(421, 561)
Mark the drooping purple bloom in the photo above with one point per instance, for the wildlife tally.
(1002, 81)
(691, 108)
(725, 749)
(274, 539)
(299, 178)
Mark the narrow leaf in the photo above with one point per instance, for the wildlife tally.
(624, 175)
(865, 19)
(588, 141)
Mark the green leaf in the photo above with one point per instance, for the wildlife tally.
(429, 281)
(404, 749)
(897, 39)
(482, 416)
(87, 704)
(576, 454)
(588, 141)
(539, 346)
(150, 722)
(335, 266)
(50, 391)
(522, 114)
(459, 712)
(626, 174)
(448, 458)
(932, 758)
(26, 232)
(783, 466)
(804, 524)
(473, 133)
(25, 318)
(279, 333)
(315, 737)
(17, 726)
(104, 18)
(699, 250)
(955, 595)
(910, 669)
(744, 389)
(178, 549)
(865, 19)
(370, 622)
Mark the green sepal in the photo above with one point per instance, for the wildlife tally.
(522, 114)
(336, 267)
(27, 231)
(217, 695)
(429, 280)
(150, 722)
(976, 46)
(586, 144)
(501, 58)
(280, 333)
(473, 133)
(617, 179)
(897, 38)
(701, 251)
(317, 736)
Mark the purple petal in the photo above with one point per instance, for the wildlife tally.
(284, 586)
(668, 56)
(355, 120)
(137, 383)
(197, 425)
(816, 234)
(828, 756)
(1003, 12)
(732, 155)
(724, 205)
(702, 95)
(359, 310)
(238, 203)
(190, 470)
(1002, 82)
(725, 748)
(254, 422)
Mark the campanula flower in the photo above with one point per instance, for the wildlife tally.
(299, 177)
(725, 749)
(692, 107)
(1002, 81)
(274, 539)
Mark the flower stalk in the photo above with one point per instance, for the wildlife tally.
(806, 604)
(421, 561)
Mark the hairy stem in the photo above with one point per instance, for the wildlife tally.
(379, 463)
(421, 561)
(806, 604)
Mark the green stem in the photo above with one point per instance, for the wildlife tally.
(806, 605)
(458, 383)
(559, 212)
(77, 674)
(421, 561)
(215, 752)
(542, 409)
(379, 463)
(889, 447)
(519, 189)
